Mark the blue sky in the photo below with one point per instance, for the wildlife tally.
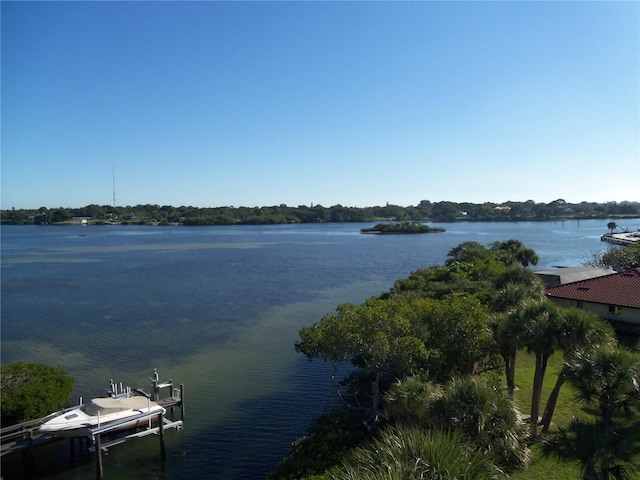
(351, 103)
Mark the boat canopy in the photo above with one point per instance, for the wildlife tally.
(105, 406)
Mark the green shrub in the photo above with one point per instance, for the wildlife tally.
(32, 390)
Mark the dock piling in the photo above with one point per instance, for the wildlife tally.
(72, 449)
(99, 469)
(163, 452)
(182, 402)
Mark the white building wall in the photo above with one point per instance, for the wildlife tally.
(622, 314)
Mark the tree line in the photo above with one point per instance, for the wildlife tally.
(280, 214)
(430, 392)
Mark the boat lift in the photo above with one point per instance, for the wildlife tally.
(176, 399)
(99, 447)
(25, 436)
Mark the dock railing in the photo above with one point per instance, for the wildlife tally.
(11, 436)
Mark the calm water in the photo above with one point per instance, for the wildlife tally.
(218, 309)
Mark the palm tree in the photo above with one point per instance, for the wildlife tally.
(515, 251)
(485, 417)
(581, 331)
(541, 331)
(516, 287)
(506, 332)
(479, 411)
(582, 440)
(612, 226)
(409, 400)
(610, 379)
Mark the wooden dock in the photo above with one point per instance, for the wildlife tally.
(17, 438)
(25, 436)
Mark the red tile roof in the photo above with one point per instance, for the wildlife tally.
(620, 289)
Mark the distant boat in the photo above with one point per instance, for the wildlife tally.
(101, 412)
(624, 238)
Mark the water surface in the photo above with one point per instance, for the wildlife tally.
(218, 309)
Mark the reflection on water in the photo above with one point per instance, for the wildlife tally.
(218, 309)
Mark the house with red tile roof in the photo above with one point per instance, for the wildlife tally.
(614, 297)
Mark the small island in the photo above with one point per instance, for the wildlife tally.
(402, 227)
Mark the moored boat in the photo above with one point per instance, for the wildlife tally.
(100, 412)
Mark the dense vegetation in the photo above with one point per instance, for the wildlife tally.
(32, 390)
(228, 215)
(617, 258)
(432, 390)
(401, 227)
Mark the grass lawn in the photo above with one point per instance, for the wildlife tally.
(566, 406)
(548, 468)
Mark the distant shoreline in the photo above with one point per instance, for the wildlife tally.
(425, 211)
(102, 223)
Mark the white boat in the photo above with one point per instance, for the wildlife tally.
(101, 412)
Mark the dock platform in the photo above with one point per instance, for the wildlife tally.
(623, 238)
(24, 437)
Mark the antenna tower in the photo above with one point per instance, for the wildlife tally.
(114, 183)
